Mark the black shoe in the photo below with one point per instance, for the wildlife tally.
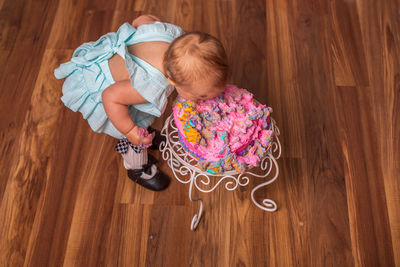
(158, 182)
(158, 138)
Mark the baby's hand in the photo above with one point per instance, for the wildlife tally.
(139, 137)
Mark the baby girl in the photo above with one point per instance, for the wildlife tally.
(121, 82)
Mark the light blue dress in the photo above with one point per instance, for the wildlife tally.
(88, 75)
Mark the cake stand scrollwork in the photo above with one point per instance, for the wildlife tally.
(183, 166)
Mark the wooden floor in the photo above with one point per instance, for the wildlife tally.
(330, 71)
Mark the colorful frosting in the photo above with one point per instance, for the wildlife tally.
(228, 132)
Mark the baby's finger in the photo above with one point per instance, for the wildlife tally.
(147, 139)
(146, 142)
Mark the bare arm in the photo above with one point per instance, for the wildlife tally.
(116, 99)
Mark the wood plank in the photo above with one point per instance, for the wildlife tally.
(364, 181)
(380, 33)
(283, 88)
(129, 228)
(19, 70)
(349, 62)
(325, 183)
(23, 130)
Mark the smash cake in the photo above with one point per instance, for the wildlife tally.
(229, 132)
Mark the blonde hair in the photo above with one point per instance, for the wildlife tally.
(196, 56)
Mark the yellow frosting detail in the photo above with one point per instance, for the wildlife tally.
(215, 170)
(191, 134)
(236, 166)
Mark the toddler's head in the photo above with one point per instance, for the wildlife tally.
(196, 64)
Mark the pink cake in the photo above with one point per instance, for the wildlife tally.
(228, 132)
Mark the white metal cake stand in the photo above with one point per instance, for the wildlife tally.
(183, 166)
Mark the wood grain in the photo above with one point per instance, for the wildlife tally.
(330, 71)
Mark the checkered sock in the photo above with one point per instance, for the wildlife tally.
(134, 157)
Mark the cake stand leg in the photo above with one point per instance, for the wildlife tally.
(267, 204)
(196, 217)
